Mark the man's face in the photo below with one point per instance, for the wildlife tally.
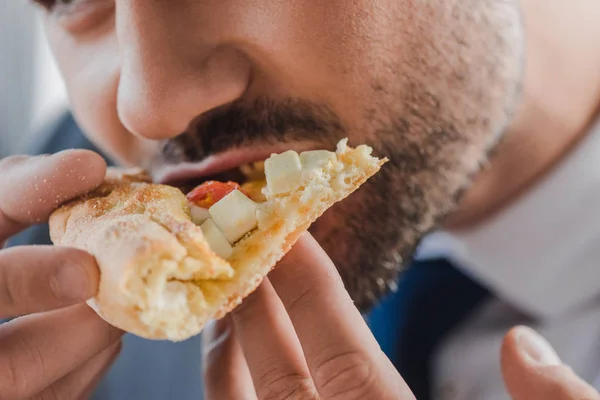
(427, 83)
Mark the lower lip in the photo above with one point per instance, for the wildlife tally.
(218, 163)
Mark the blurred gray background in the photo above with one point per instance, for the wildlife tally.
(31, 90)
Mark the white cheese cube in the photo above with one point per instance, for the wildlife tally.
(235, 215)
(199, 214)
(316, 158)
(216, 240)
(283, 172)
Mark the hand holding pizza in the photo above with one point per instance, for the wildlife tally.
(299, 336)
(57, 347)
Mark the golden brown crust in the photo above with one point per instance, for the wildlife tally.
(159, 278)
(144, 243)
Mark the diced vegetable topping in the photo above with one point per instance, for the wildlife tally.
(216, 240)
(283, 172)
(209, 193)
(235, 215)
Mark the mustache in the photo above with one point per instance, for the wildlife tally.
(264, 121)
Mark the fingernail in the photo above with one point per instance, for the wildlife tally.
(215, 333)
(210, 327)
(536, 348)
(70, 282)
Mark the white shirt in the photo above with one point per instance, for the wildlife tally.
(541, 259)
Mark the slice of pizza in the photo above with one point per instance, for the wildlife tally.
(170, 263)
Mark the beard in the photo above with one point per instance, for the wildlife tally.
(436, 124)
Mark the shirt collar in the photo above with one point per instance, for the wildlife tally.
(542, 254)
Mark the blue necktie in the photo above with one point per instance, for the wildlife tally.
(433, 297)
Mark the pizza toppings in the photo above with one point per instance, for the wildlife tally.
(254, 171)
(283, 172)
(211, 192)
(216, 240)
(235, 215)
(227, 211)
(198, 214)
(253, 189)
(316, 158)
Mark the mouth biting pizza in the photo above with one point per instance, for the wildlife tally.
(170, 262)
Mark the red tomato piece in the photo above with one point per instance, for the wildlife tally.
(210, 192)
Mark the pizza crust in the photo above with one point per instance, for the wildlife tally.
(159, 278)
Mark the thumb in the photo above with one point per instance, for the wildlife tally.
(533, 371)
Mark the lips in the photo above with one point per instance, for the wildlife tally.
(226, 166)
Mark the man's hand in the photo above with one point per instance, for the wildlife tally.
(58, 348)
(533, 371)
(299, 336)
(279, 343)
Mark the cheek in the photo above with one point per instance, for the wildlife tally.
(332, 52)
(91, 74)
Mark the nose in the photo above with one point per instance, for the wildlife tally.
(171, 70)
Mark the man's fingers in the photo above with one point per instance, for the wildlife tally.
(533, 371)
(35, 279)
(226, 374)
(81, 383)
(37, 350)
(271, 348)
(32, 187)
(344, 359)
